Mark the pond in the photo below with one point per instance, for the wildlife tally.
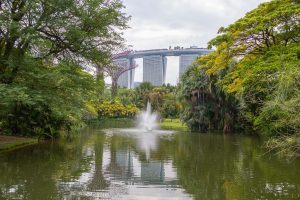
(128, 164)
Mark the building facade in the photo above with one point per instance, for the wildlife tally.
(154, 69)
(126, 79)
(185, 61)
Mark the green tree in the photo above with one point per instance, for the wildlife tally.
(46, 47)
(206, 106)
(264, 45)
(45, 100)
(171, 107)
(49, 29)
(254, 69)
(142, 93)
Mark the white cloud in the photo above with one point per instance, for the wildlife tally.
(160, 23)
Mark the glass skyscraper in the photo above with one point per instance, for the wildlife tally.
(125, 79)
(185, 61)
(154, 69)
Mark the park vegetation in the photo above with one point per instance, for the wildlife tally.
(115, 109)
(251, 81)
(128, 102)
(47, 48)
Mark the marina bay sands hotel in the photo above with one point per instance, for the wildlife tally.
(155, 63)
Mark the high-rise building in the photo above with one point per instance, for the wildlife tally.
(126, 79)
(185, 61)
(154, 69)
(123, 80)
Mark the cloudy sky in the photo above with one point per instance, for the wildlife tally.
(163, 23)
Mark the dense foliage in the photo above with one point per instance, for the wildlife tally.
(45, 100)
(116, 109)
(252, 77)
(207, 107)
(163, 99)
(45, 49)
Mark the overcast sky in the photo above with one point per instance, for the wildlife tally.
(163, 23)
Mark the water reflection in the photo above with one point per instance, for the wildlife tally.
(145, 141)
(126, 165)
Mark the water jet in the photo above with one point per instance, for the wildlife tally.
(147, 120)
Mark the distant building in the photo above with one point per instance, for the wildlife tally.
(155, 63)
(123, 80)
(126, 78)
(185, 61)
(154, 69)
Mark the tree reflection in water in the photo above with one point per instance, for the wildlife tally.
(122, 165)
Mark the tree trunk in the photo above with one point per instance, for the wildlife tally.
(114, 89)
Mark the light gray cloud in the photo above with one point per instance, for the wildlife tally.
(160, 23)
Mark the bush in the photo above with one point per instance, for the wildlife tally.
(115, 109)
(285, 146)
(280, 118)
(46, 100)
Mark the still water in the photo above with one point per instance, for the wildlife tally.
(118, 164)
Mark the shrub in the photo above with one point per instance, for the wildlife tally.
(115, 109)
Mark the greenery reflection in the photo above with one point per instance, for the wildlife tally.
(208, 166)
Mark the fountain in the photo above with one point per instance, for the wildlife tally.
(146, 132)
(147, 120)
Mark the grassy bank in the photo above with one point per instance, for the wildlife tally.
(129, 122)
(112, 123)
(10, 142)
(173, 124)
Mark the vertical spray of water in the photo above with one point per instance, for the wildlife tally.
(147, 120)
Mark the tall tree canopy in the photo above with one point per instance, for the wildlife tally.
(81, 30)
(272, 23)
(45, 48)
(254, 59)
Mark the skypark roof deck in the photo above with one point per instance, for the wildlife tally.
(162, 52)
